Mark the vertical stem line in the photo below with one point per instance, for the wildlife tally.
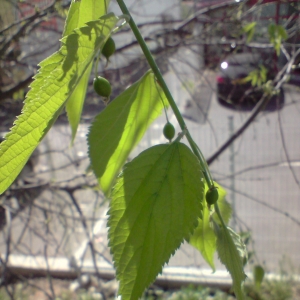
(167, 92)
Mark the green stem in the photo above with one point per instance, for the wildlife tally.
(217, 210)
(167, 92)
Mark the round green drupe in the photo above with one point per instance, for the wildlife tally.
(102, 87)
(109, 48)
(169, 131)
(212, 195)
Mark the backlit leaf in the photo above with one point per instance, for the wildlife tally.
(120, 126)
(224, 206)
(75, 103)
(79, 14)
(53, 85)
(155, 205)
(204, 238)
(83, 11)
(229, 247)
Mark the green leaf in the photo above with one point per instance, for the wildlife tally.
(155, 205)
(204, 238)
(240, 246)
(272, 30)
(84, 11)
(79, 14)
(249, 29)
(258, 276)
(75, 103)
(229, 247)
(57, 79)
(282, 32)
(224, 206)
(263, 73)
(120, 126)
(277, 33)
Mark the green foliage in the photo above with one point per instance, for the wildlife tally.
(276, 289)
(155, 205)
(53, 85)
(257, 77)
(80, 13)
(120, 126)
(224, 206)
(258, 275)
(249, 29)
(232, 254)
(83, 11)
(277, 34)
(204, 238)
(158, 199)
(198, 293)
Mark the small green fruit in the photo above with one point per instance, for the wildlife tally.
(169, 131)
(212, 196)
(102, 87)
(109, 48)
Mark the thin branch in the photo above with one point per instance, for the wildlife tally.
(284, 213)
(257, 109)
(278, 82)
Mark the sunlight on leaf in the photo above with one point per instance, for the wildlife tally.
(83, 11)
(79, 14)
(204, 238)
(57, 78)
(120, 126)
(155, 205)
(75, 103)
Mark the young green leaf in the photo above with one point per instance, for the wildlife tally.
(79, 14)
(277, 33)
(155, 205)
(249, 29)
(53, 85)
(204, 238)
(232, 252)
(76, 101)
(120, 126)
(224, 206)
